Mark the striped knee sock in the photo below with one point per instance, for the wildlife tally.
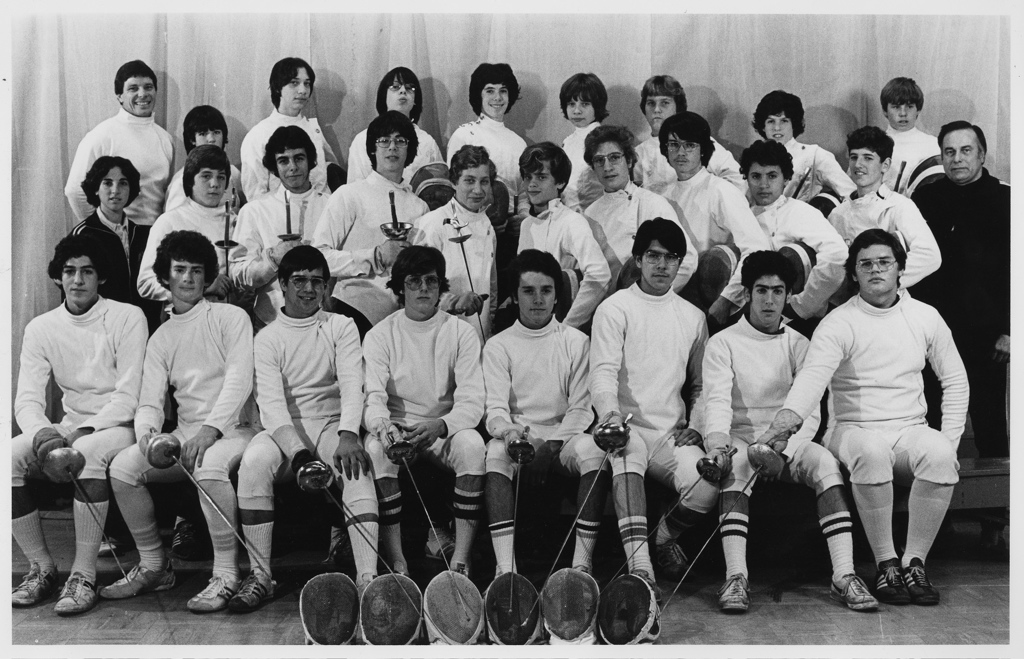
(586, 538)
(734, 542)
(633, 531)
(225, 544)
(679, 519)
(363, 529)
(502, 540)
(469, 505)
(838, 531)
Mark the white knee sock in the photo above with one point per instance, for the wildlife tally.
(88, 535)
(927, 506)
(838, 531)
(225, 544)
(28, 533)
(734, 542)
(363, 529)
(259, 537)
(874, 505)
(137, 508)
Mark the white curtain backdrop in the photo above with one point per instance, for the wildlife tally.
(64, 65)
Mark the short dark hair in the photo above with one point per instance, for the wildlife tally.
(492, 74)
(200, 119)
(963, 125)
(203, 156)
(779, 102)
(873, 138)
(663, 85)
(533, 260)
(690, 127)
(765, 263)
(384, 125)
(406, 77)
(416, 260)
(99, 170)
(74, 246)
(133, 69)
(284, 138)
(585, 87)
(899, 91)
(283, 73)
(666, 232)
(302, 257)
(188, 247)
(468, 157)
(868, 238)
(767, 153)
(532, 158)
(619, 135)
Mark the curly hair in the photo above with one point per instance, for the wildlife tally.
(620, 135)
(187, 247)
(99, 170)
(74, 246)
(492, 74)
(779, 102)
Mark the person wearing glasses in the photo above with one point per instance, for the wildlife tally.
(870, 352)
(874, 206)
(425, 384)
(616, 215)
(637, 332)
(349, 231)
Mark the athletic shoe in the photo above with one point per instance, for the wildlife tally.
(214, 597)
(140, 580)
(853, 592)
(651, 581)
(78, 596)
(186, 544)
(889, 586)
(734, 596)
(256, 590)
(35, 587)
(440, 545)
(340, 551)
(670, 560)
(921, 590)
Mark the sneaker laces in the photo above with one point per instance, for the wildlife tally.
(184, 534)
(73, 587)
(251, 587)
(32, 580)
(857, 587)
(674, 552)
(734, 587)
(916, 574)
(214, 588)
(890, 576)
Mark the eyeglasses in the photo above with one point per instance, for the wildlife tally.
(654, 258)
(612, 159)
(397, 88)
(884, 264)
(688, 147)
(302, 282)
(385, 142)
(416, 282)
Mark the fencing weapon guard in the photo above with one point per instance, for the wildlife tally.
(445, 623)
(628, 613)
(460, 240)
(714, 269)
(766, 459)
(611, 437)
(511, 613)
(568, 606)
(329, 608)
(387, 617)
(803, 259)
(521, 450)
(395, 230)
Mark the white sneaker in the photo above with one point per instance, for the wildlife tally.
(214, 597)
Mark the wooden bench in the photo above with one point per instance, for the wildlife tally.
(984, 483)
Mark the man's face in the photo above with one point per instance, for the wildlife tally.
(658, 268)
(213, 136)
(541, 186)
(901, 117)
(208, 187)
(295, 95)
(766, 183)
(684, 157)
(473, 187)
(611, 166)
(303, 292)
(138, 96)
(81, 284)
(391, 156)
(779, 127)
(767, 298)
(580, 113)
(877, 284)
(400, 97)
(536, 296)
(293, 170)
(962, 156)
(867, 168)
(657, 109)
(113, 192)
(421, 295)
(187, 282)
(495, 101)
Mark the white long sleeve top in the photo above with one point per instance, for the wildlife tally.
(139, 139)
(886, 210)
(348, 232)
(813, 169)
(190, 216)
(614, 218)
(538, 378)
(716, 213)
(309, 368)
(910, 148)
(583, 187)
(256, 180)
(95, 358)
(643, 350)
(747, 375)
(419, 371)
(359, 165)
(206, 355)
(653, 171)
(789, 220)
(259, 224)
(566, 235)
(437, 229)
(872, 360)
(176, 191)
(502, 144)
